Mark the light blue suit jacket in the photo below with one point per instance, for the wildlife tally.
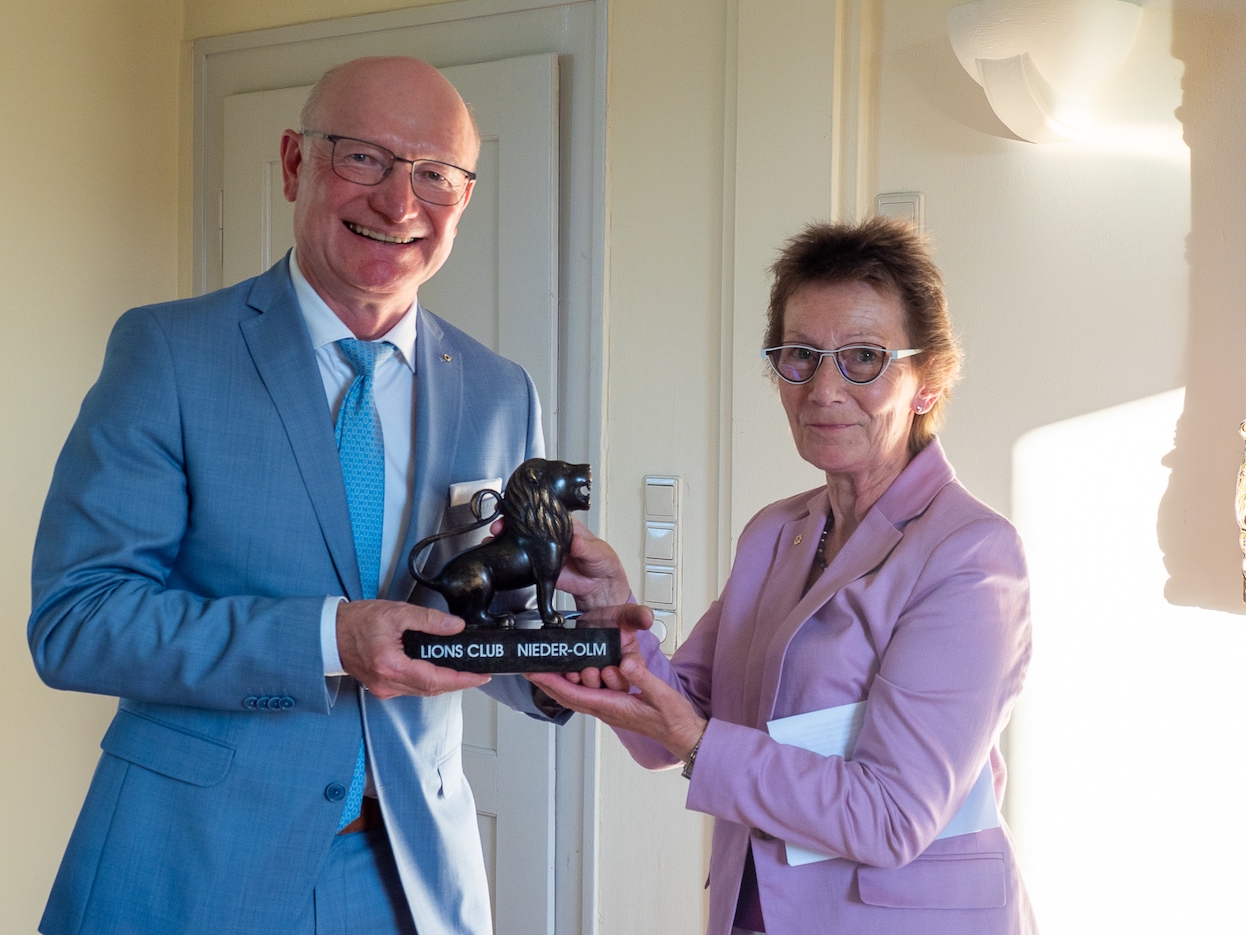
(196, 520)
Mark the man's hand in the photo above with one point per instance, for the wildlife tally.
(369, 642)
(592, 573)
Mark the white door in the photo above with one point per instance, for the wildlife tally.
(505, 258)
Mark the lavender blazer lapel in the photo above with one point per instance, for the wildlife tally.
(868, 547)
(793, 555)
(871, 543)
(281, 348)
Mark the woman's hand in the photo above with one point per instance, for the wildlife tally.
(630, 619)
(633, 699)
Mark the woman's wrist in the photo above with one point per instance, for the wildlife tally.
(690, 757)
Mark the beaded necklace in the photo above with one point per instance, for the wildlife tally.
(819, 557)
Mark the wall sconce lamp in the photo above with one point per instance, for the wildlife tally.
(1040, 60)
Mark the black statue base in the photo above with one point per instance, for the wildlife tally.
(497, 651)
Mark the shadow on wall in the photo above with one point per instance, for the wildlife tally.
(1197, 529)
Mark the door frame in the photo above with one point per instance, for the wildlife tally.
(448, 34)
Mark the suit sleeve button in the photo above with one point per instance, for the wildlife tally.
(250, 702)
(286, 703)
(335, 792)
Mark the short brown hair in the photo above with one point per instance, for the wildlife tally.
(892, 257)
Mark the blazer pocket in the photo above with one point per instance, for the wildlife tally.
(952, 881)
(167, 750)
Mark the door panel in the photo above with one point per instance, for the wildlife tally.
(500, 286)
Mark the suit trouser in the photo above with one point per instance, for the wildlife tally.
(359, 891)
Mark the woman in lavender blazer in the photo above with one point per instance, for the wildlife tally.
(890, 586)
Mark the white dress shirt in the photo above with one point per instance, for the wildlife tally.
(394, 398)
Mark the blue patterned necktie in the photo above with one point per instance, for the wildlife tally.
(361, 448)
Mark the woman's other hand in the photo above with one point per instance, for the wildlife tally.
(634, 699)
(630, 620)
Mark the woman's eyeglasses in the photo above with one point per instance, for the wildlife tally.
(857, 363)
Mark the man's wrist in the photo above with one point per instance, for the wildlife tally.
(545, 704)
(329, 654)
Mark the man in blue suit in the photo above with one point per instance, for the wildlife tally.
(206, 556)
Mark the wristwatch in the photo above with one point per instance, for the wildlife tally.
(692, 756)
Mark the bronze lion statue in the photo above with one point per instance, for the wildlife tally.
(530, 550)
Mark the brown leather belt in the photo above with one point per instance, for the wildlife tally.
(369, 817)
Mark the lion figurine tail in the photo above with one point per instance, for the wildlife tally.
(415, 554)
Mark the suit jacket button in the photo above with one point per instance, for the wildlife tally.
(762, 835)
(286, 703)
(335, 792)
(250, 702)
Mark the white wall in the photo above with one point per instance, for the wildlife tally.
(1126, 743)
(1065, 264)
(720, 127)
(664, 164)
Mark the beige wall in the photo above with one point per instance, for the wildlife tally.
(664, 150)
(1043, 248)
(88, 99)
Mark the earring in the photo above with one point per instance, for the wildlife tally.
(919, 409)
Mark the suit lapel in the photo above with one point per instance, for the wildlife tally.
(877, 536)
(438, 416)
(281, 348)
(868, 547)
(793, 555)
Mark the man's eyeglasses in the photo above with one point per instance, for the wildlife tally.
(858, 363)
(364, 163)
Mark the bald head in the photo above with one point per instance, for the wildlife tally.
(406, 84)
(366, 246)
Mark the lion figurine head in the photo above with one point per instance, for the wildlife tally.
(541, 495)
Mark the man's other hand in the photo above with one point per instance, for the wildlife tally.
(369, 642)
(593, 572)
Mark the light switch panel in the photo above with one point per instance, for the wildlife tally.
(666, 629)
(905, 206)
(661, 498)
(660, 586)
(660, 542)
(663, 514)
(659, 628)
